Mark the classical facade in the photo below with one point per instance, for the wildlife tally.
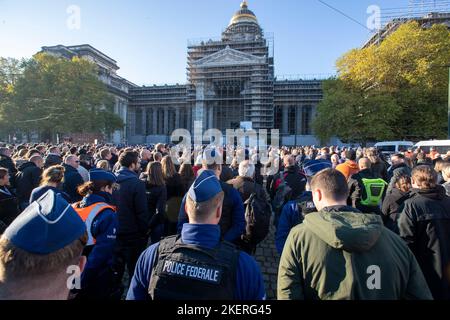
(117, 86)
(230, 81)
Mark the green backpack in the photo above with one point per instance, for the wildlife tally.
(374, 191)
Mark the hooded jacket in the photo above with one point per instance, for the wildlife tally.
(348, 168)
(131, 201)
(341, 254)
(425, 225)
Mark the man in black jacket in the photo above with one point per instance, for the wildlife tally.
(357, 189)
(133, 214)
(53, 157)
(425, 225)
(27, 178)
(294, 179)
(72, 178)
(6, 162)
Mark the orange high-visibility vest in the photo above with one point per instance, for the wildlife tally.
(88, 214)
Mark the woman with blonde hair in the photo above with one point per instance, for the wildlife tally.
(103, 164)
(52, 179)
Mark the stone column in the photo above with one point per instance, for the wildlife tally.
(285, 120)
(144, 121)
(166, 122)
(211, 118)
(299, 120)
(155, 121)
(189, 118)
(177, 118)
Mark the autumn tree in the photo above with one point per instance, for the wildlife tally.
(396, 90)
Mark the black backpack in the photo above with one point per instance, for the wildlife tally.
(258, 212)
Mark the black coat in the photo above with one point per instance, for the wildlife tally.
(358, 191)
(379, 170)
(226, 174)
(7, 163)
(156, 199)
(174, 186)
(72, 180)
(392, 206)
(132, 208)
(425, 225)
(9, 209)
(294, 179)
(27, 178)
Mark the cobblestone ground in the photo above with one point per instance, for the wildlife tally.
(268, 259)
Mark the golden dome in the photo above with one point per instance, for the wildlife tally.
(244, 15)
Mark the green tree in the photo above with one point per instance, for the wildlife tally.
(57, 95)
(354, 115)
(405, 75)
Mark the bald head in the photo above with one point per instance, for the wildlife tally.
(364, 163)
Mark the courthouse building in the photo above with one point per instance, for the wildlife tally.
(230, 81)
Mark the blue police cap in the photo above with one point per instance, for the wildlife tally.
(47, 225)
(205, 187)
(313, 167)
(100, 174)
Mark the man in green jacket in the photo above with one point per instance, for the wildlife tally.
(339, 253)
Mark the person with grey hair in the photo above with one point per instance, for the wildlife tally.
(246, 186)
(72, 178)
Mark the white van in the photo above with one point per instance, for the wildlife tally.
(441, 146)
(391, 147)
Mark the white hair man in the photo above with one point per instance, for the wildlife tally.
(246, 185)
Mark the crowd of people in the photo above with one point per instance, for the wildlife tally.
(158, 223)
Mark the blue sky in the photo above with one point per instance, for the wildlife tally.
(148, 39)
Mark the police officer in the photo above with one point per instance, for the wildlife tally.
(232, 222)
(294, 211)
(97, 211)
(41, 251)
(197, 265)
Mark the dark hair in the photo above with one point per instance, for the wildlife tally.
(350, 155)
(331, 183)
(155, 174)
(186, 171)
(3, 172)
(73, 150)
(93, 187)
(127, 158)
(425, 177)
(399, 155)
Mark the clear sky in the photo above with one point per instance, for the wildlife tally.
(148, 38)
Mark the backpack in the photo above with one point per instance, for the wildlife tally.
(258, 213)
(374, 191)
(281, 194)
